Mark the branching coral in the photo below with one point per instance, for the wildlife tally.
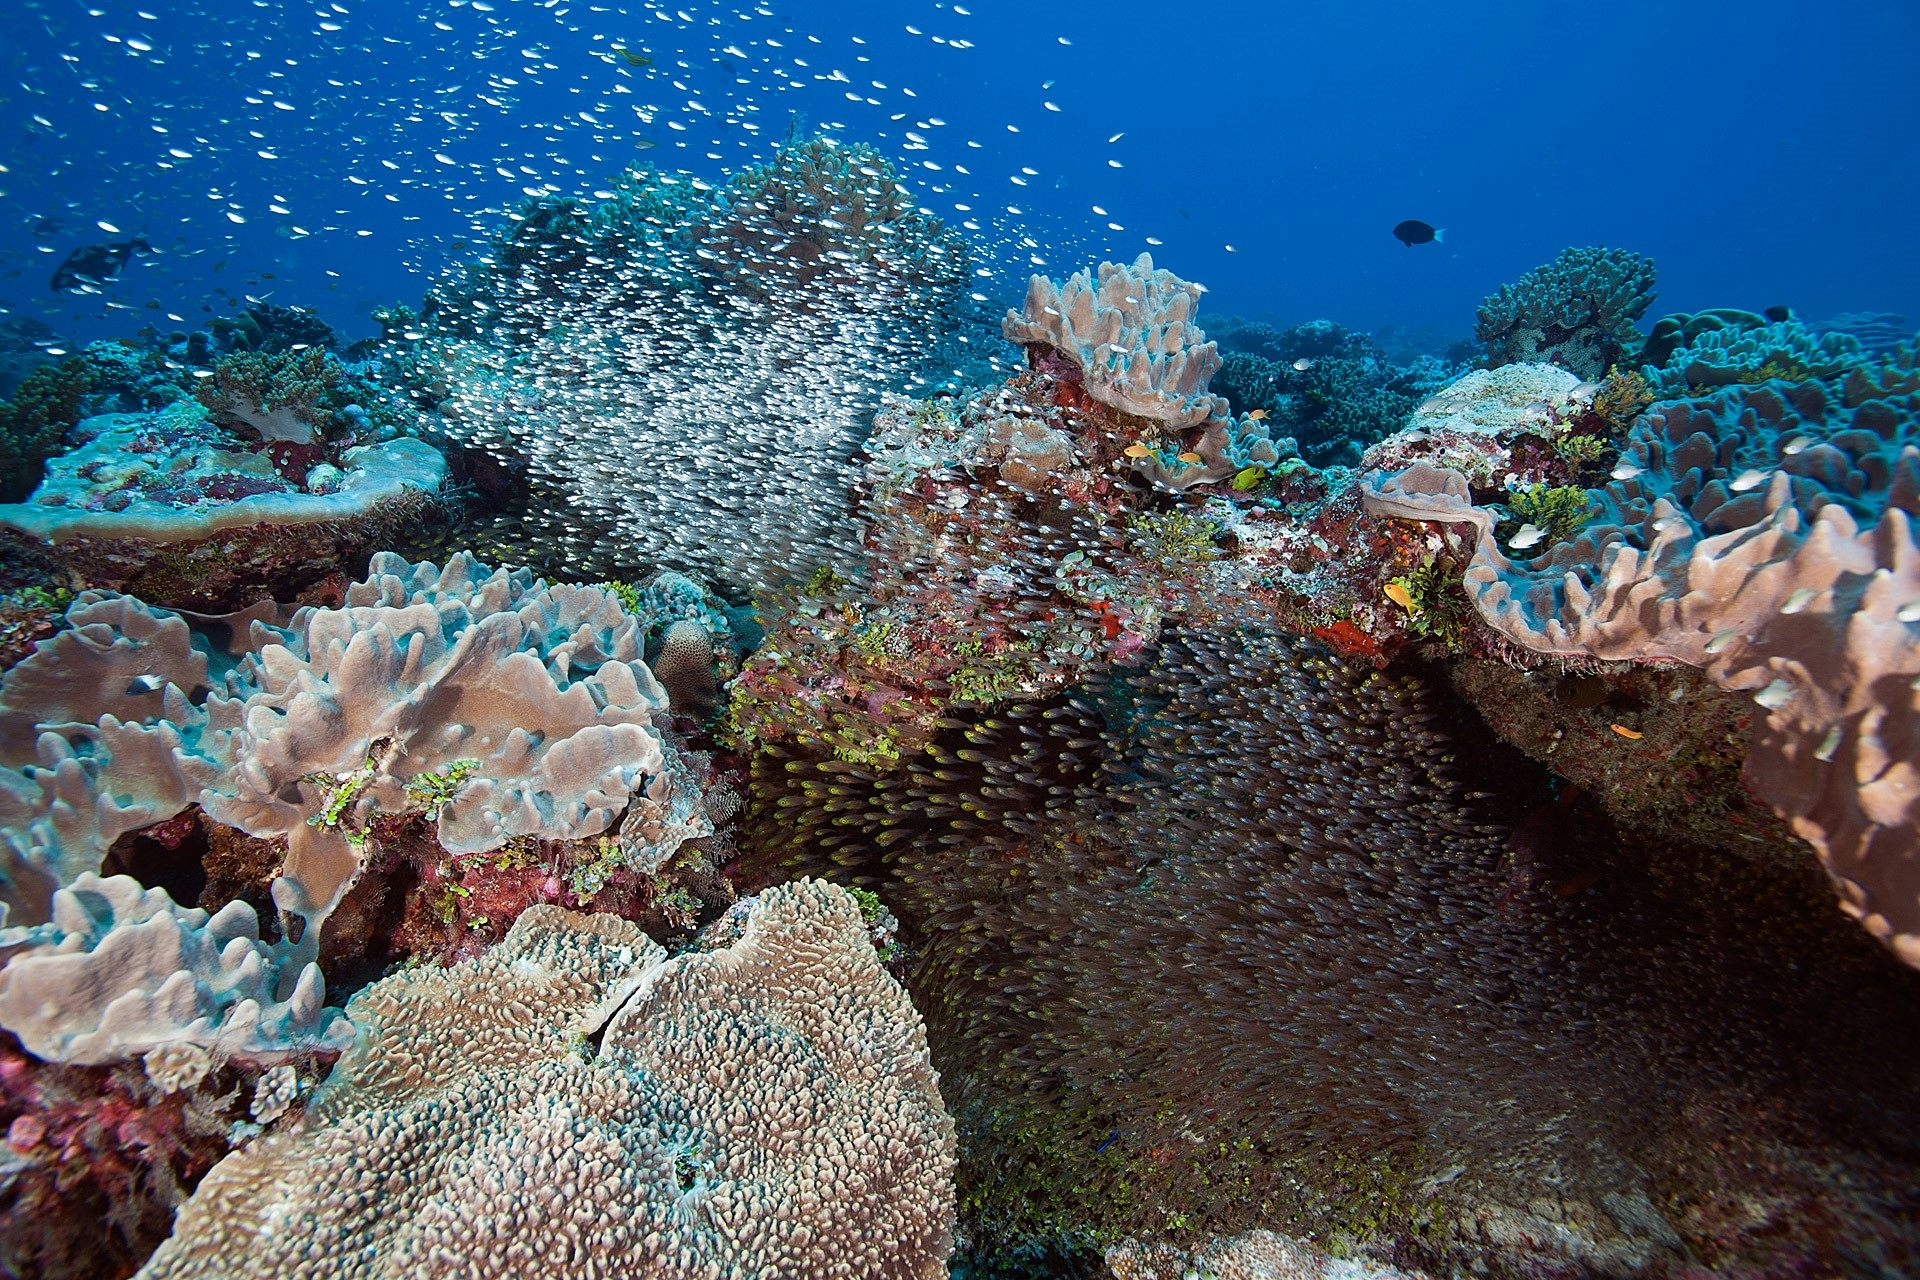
(573, 1103)
(1577, 311)
(1334, 392)
(287, 396)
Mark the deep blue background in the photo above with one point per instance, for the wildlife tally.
(1762, 151)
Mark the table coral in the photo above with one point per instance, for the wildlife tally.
(573, 1103)
(172, 506)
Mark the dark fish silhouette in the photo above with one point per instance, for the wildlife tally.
(1777, 315)
(1413, 232)
(96, 263)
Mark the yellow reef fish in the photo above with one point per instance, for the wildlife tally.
(1399, 595)
(1190, 459)
(1631, 735)
(1258, 415)
(1138, 451)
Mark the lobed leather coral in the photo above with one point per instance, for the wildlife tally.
(121, 971)
(1732, 354)
(99, 736)
(1765, 535)
(1132, 336)
(524, 708)
(500, 706)
(1577, 311)
(574, 1104)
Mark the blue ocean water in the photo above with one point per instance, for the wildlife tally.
(339, 155)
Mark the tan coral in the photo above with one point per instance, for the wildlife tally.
(1765, 537)
(571, 1103)
(1132, 334)
(422, 668)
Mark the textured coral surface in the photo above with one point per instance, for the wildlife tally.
(575, 1104)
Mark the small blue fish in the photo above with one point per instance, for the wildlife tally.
(1109, 1142)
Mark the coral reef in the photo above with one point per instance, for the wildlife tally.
(1740, 354)
(573, 1102)
(43, 408)
(1255, 1255)
(503, 706)
(173, 507)
(499, 707)
(1577, 311)
(121, 971)
(678, 379)
(1130, 333)
(1186, 973)
(1332, 391)
(97, 1159)
(1763, 535)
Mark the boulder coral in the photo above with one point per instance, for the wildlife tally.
(572, 1103)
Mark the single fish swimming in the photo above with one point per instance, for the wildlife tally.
(96, 263)
(1413, 232)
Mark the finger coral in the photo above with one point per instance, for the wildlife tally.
(572, 1103)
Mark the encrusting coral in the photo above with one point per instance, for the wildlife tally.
(572, 1103)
